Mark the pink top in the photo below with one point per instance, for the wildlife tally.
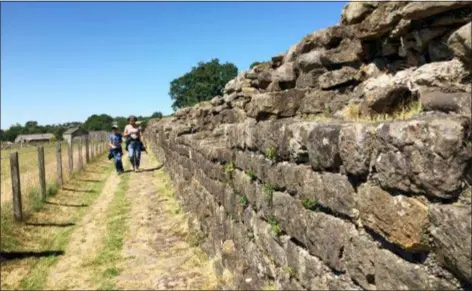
(132, 131)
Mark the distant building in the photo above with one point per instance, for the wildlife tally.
(73, 133)
(34, 138)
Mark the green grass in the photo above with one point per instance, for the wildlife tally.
(271, 153)
(229, 169)
(310, 204)
(110, 254)
(274, 224)
(31, 203)
(251, 175)
(243, 201)
(268, 191)
(43, 239)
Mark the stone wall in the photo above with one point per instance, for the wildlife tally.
(343, 164)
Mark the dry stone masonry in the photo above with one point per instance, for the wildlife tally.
(344, 163)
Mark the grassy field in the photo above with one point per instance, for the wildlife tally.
(29, 173)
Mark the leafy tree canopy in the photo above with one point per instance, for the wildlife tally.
(98, 122)
(202, 83)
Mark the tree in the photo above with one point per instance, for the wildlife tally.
(98, 122)
(203, 82)
(157, 114)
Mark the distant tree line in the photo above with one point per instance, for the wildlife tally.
(92, 123)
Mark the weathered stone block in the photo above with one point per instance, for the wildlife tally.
(400, 219)
(451, 230)
(327, 238)
(290, 215)
(337, 78)
(356, 142)
(322, 146)
(424, 156)
(280, 104)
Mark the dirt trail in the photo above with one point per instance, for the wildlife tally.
(71, 271)
(157, 255)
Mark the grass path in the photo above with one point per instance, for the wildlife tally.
(130, 234)
(71, 271)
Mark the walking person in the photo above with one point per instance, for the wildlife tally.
(116, 151)
(134, 145)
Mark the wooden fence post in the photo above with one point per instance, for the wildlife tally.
(87, 150)
(92, 150)
(42, 173)
(80, 154)
(60, 179)
(71, 159)
(15, 186)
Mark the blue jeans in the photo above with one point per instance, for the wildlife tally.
(134, 153)
(117, 158)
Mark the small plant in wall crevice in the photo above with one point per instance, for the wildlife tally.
(243, 201)
(271, 153)
(274, 225)
(251, 175)
(268, 191)
(310, 204)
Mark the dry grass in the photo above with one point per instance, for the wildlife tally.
(46, 233)
(352, 113)
(29, 173)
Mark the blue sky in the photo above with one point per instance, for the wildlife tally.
(66, 61)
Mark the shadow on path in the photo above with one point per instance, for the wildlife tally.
(50, 224)
(90, 180)
(7, 256)
(66, 205)
(78, 190)
(153, 169)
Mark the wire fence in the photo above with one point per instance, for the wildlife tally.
(36, 171)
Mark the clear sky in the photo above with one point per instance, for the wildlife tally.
(66, 61)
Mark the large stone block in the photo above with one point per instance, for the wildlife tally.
(451, 230)
(377, 269)
(338, 78)
(356, 142)
(400, 219)
(290, 215)
(265, 239)
(279, 104)
(332, 191)
(460, 43)
(327, 237)
(423, 9)
(322, 146)
(424, 156)
(355, 12)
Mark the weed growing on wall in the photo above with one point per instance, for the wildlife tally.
(310, 204)
(243, 201)
(274, 226)
(268, 191)
(251, 175)
(271, 153)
